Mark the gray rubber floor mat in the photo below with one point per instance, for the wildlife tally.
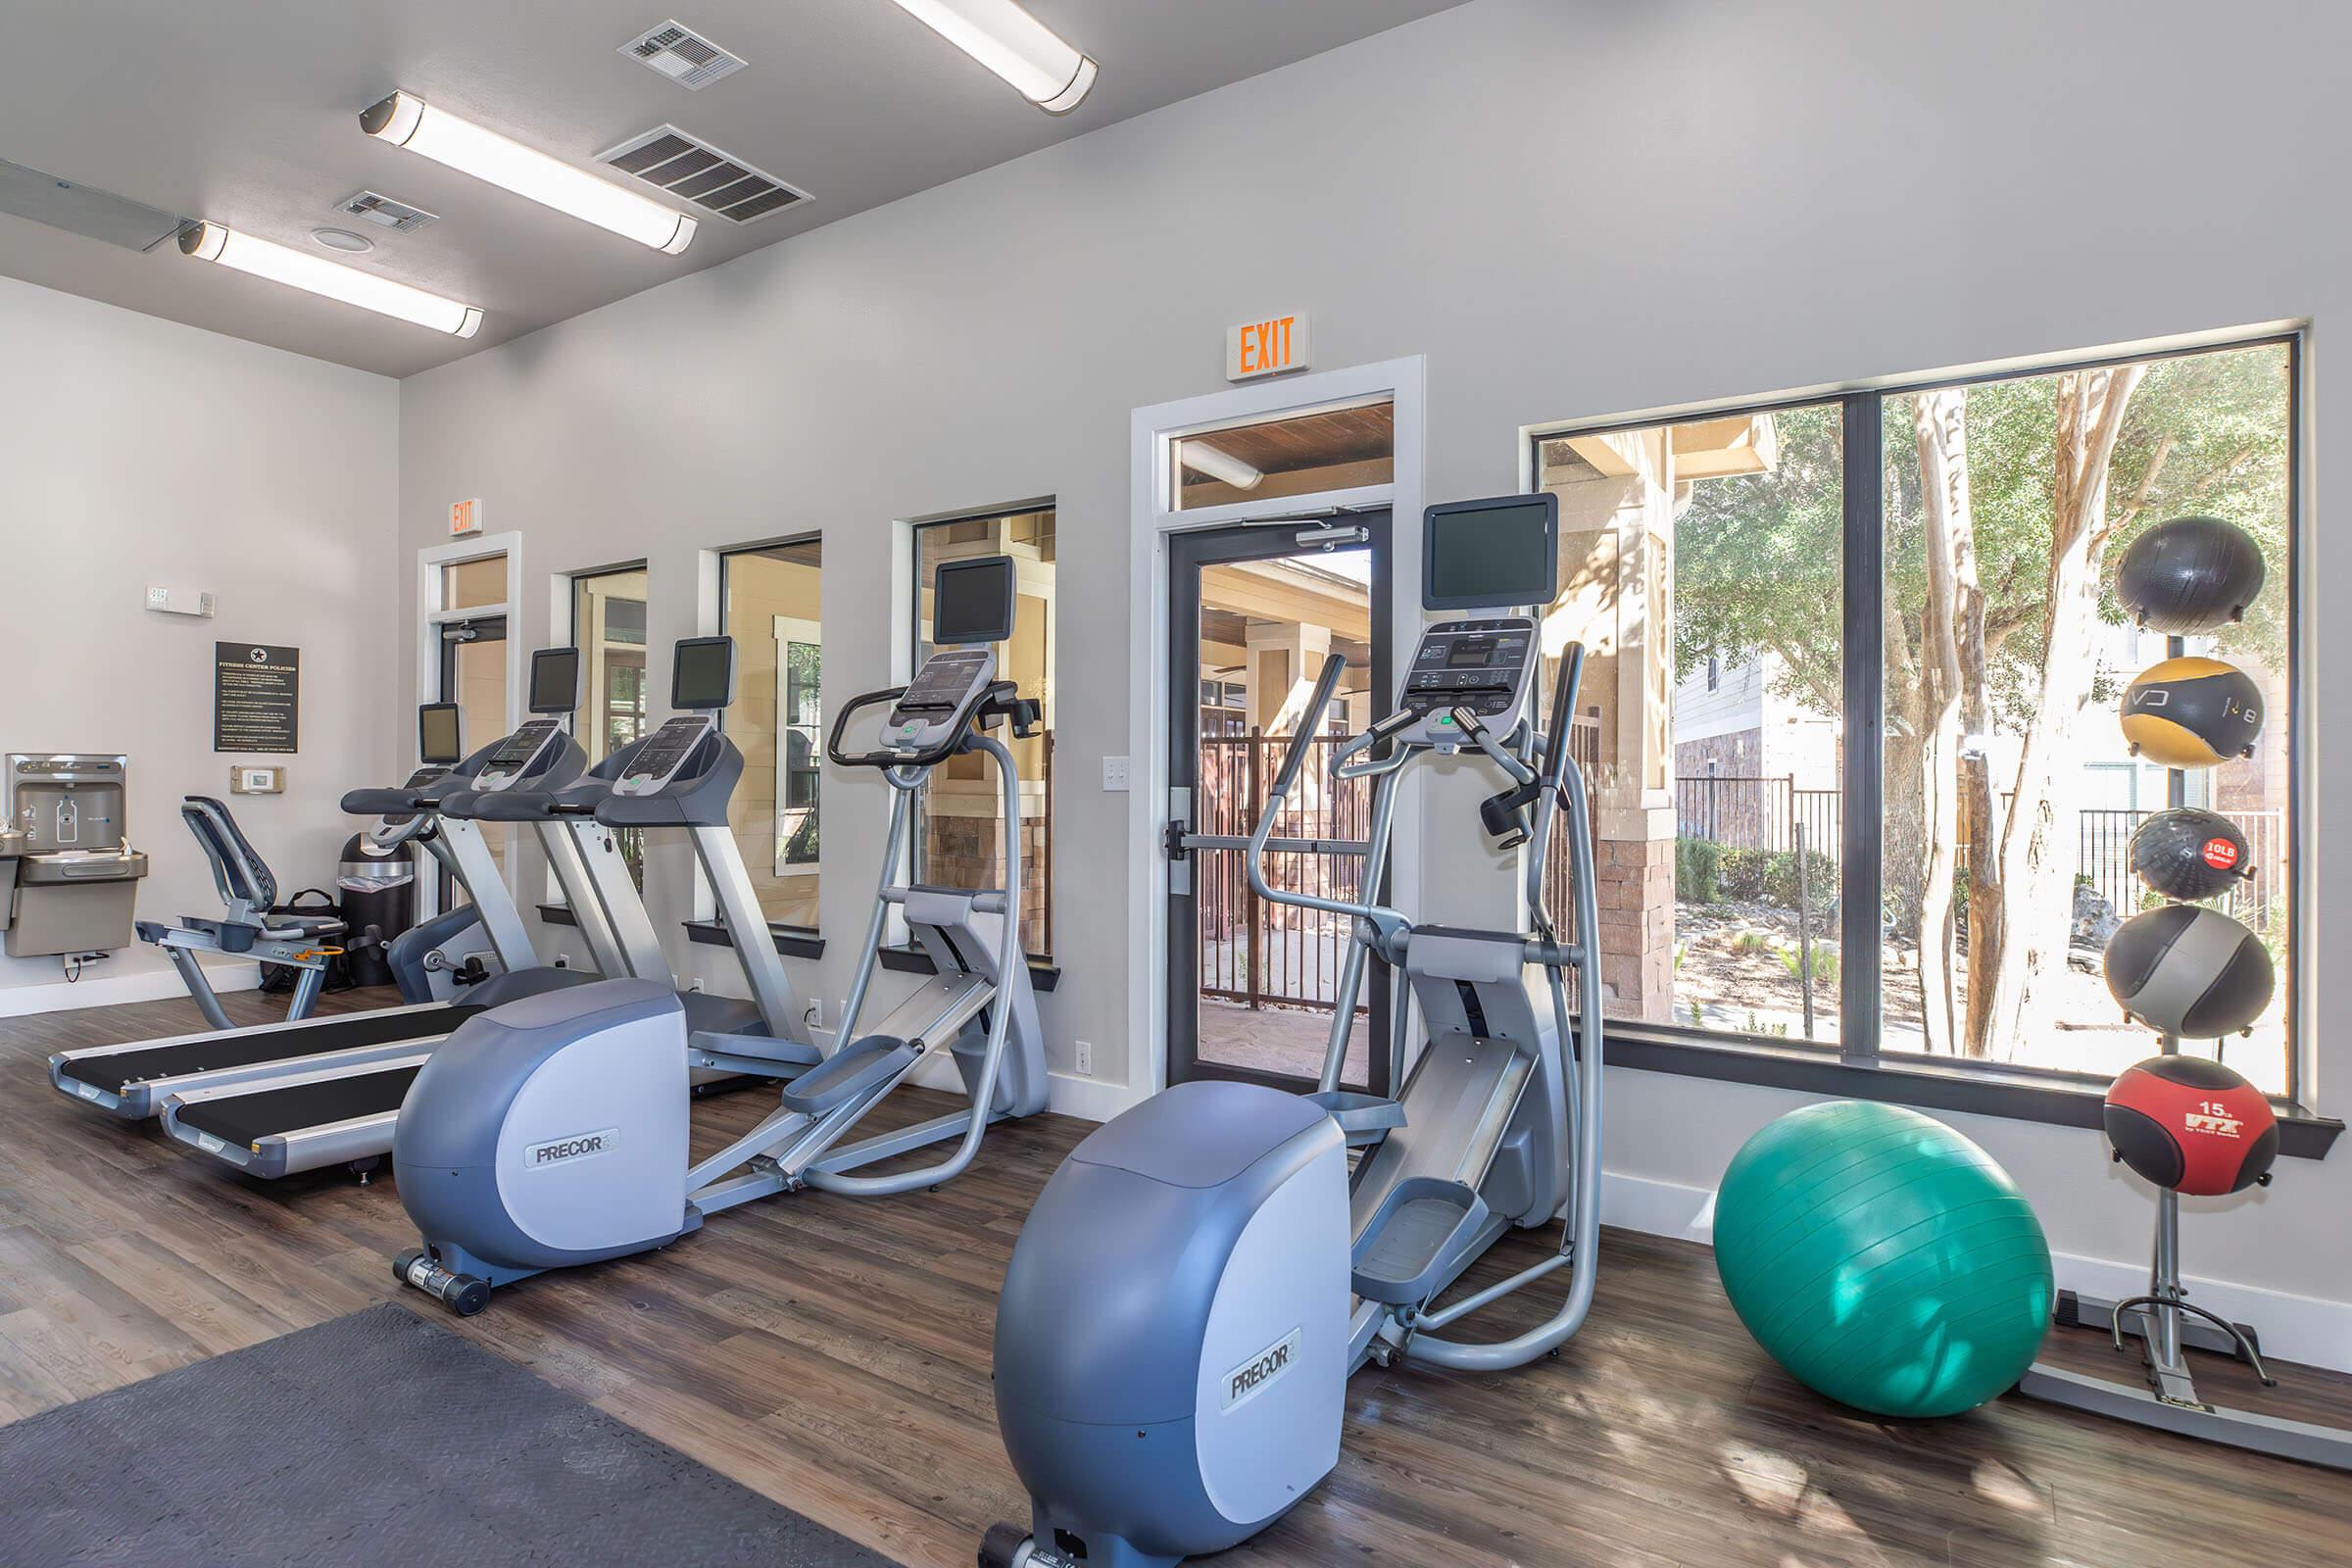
(374, 1439)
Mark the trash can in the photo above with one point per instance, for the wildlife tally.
(377, 891)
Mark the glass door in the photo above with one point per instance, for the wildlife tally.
(1254, 989)
(474, 675)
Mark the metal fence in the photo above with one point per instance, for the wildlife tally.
(2105, 859)
(1261, 953)
(1755, 812)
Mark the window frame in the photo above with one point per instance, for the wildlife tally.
(1038, 961)
(1859, 1066)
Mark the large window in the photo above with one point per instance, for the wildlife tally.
(959, 842)
(608, 624)
(1858, 768)
(770, 605)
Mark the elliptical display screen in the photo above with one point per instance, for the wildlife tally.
(439, 736)
(555, 680)
(1491, 554)
(703, 674)
(972, 602)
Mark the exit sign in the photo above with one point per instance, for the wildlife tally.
(465, 516)
(1265, 348)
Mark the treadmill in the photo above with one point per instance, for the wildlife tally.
(133, 1079)
(682, 775)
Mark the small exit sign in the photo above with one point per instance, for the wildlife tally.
(1267, 347)
(465, 516)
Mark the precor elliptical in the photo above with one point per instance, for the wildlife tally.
(1199, 1277)
(555, 1133)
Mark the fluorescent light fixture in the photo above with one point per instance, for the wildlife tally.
(1014, 44)
(406, 121)
(1218, 464)
(216, 242)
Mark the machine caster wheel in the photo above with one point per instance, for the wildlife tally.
(402, 1262)
(1005, 1545)
(467, 1296)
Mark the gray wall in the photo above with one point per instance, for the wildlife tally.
(134, 451)
(1572, 211)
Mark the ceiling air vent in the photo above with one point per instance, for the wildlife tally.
(386, 213)
(683, 55)
(695, 172)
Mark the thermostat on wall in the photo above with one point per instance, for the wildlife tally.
(245, 780)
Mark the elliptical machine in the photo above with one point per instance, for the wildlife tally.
(555, 1132)
(1252, 1273)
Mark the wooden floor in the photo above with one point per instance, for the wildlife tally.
(834, 1354)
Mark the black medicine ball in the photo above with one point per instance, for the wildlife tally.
(2190, 971)
(2190, 575)
(2190, 853)
(2192, 712)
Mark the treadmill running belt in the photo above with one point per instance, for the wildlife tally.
(113, 1070)
(247, 1120)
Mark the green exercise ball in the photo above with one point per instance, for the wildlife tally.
(1883, 1259)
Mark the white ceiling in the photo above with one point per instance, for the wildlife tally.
(245, 112)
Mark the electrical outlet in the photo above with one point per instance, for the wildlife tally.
(1114, 773)
(1085, 1050)
(815, 1017)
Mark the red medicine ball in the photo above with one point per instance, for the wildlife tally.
(2191, 1124)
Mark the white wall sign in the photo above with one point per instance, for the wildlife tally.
(1267, 347)
(464, 518)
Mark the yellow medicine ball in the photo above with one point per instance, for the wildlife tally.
(2192, 712)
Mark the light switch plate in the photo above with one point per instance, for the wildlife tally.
(1114, 773)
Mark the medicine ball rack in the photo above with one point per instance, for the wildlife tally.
(2166, 1323)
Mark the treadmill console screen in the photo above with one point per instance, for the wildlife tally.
(702, 675)
(518, 754)
(659, 759)
(973, 601)
(438, 734)
(1491, 554)
(555, 680)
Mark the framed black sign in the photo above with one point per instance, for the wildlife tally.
(256, 698)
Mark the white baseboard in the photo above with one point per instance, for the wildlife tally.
(1658, 1208)
(104, 991)
(2292, 1328)
(1088, 1098)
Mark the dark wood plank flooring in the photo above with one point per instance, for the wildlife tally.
(834, 1354)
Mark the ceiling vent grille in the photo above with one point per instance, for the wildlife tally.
(386, 213)
(695, 172)
(683, 55)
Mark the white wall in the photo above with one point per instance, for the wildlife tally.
(134, 451)
(1573, 211)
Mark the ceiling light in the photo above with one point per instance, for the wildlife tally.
(213, 242)
(406, 120)
(1014, 44)
(1218, 464)
(343, 240)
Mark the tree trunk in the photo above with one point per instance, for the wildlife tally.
(2021, 944)
(1953, 665)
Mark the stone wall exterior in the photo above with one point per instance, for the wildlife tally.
(969, 852)
(1634, 890)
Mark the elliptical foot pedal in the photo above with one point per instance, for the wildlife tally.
(1400, 1259)
(1363, 1119)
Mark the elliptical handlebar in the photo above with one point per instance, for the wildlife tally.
(1334, 665)
(1563, 713)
